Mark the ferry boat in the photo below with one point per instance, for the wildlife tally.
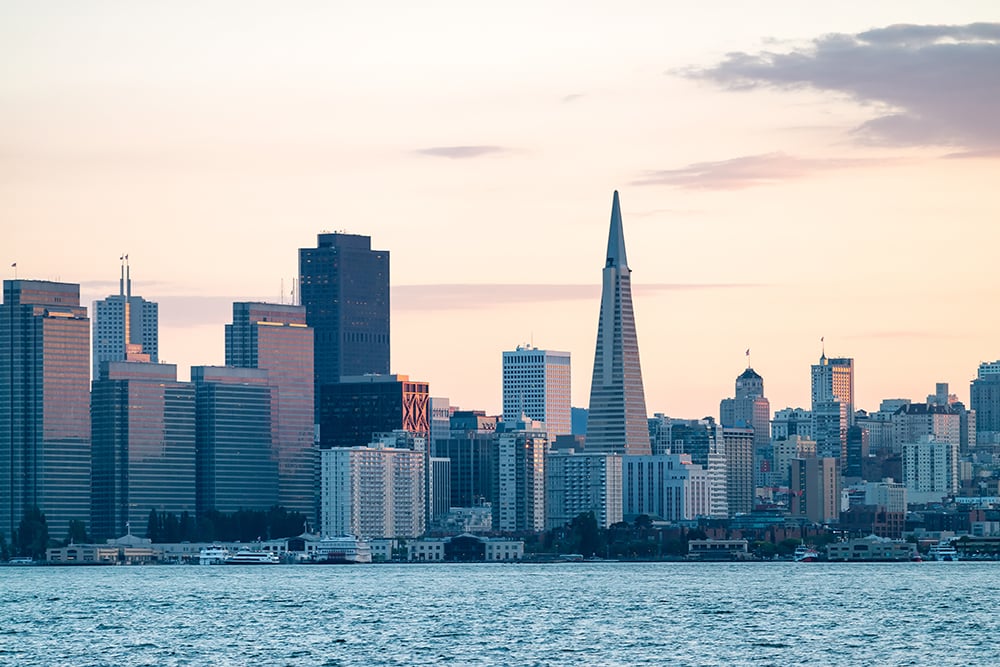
(804, 554)
(252, 558)
(943, 551)
(345, 549)
(213, 555)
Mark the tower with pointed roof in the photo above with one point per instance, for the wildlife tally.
(617, 422)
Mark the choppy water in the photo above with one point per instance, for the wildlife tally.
(494, 614)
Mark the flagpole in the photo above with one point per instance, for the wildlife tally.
(14, 266)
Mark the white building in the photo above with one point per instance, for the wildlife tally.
(887, 493)
(667, 486)
(537, 383)
(125, 325)
(791, 421)
(519, 477)
(578, 483)
(930, 469)
(372, 492)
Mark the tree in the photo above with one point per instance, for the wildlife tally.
(4, 550)
(153, 528)
(586, 534)
(77, 533)
(33, 534)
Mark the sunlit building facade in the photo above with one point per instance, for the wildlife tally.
(125, 326)
(537, 383)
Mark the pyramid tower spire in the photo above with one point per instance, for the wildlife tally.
(617, 422)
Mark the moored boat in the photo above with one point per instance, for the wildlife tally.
(342, 550)
(943, 551)
(252, 558)
(213, 555)
(804, 554)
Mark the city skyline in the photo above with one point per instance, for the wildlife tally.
(738, 179)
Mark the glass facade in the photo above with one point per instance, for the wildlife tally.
(352, 411)
(236, 465)
(143, 426)
(275, 338)
(44, 404)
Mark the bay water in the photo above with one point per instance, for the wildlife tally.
(602, 613)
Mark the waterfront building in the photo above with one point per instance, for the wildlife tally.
(738, 447)
(354, 409)
(616, 422)
(466, 548)
(344, 286)
(372, 492)
(786, 449)
(930, 469)
(143, 445)
(871, 548)
(236, 464)
(536, 383)
(519, 477)
(44, 405)
(125, 326)
(576, 483)
(814, 487)
(665, 486)
(275, 338)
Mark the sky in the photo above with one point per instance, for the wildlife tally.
(788, 172)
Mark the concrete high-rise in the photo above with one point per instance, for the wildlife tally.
(616, 422)
(985, 401)
(344, 286)
(275, 338)
(579, 482)
(750, 409)
(519, 477)
(44, 405)
(536, 383)
(814, 485)
(832, 405)
(143, 430)
(126, 327)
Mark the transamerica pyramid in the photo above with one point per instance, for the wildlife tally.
(617, 422)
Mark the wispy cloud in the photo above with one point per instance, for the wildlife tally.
(929, 84)
(748, 171)
(566, 99)
(461, 152)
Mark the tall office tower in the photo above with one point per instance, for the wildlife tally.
(353, 410)
(519, 477)
(749, 408)
(125, 326)
(143, 433)
(741, 484)
(930, 469)
(236, 463)
(830, 424)
(275, 338)
(667, 486)
(858, 448)
(536, 383)
(576, 483)
(472, 449)
(438, 489)
(616, 422)
(372, 492)
(815, 488)
(44, 405)
(344, 286)
(985, 401)
(439, 423)
(659, 433)
(832, 383)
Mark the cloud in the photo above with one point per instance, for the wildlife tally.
(461, 152)
(747, 171)
(473, 296)
(573, 97)
(929, 84)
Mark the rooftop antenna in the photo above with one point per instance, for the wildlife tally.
(121, 281)
(281, 292)
(128, 278)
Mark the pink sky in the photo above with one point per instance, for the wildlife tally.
(784, 176)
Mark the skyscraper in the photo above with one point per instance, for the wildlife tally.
(344, 286)
(275, 338)
(143, 426)
(44, 404)
(125, 325)
(519, 477)
(832, 405)
(985, 401)
(616, 422)
(536, 383)
(353, 411)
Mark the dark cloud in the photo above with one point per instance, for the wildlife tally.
(746, 171)
(930, 84)
(461, 152)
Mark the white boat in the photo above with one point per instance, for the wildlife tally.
(804, 554)
(943, 551)
(213, 555)
(252, 558)
(343, 549)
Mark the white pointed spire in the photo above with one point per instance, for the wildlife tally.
(616, 238)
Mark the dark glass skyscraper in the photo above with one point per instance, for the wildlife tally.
(44, 404)
(616, 422)
(274, 337)
(143, 425)
(236, 466)
(352, 411)
(344, 286)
